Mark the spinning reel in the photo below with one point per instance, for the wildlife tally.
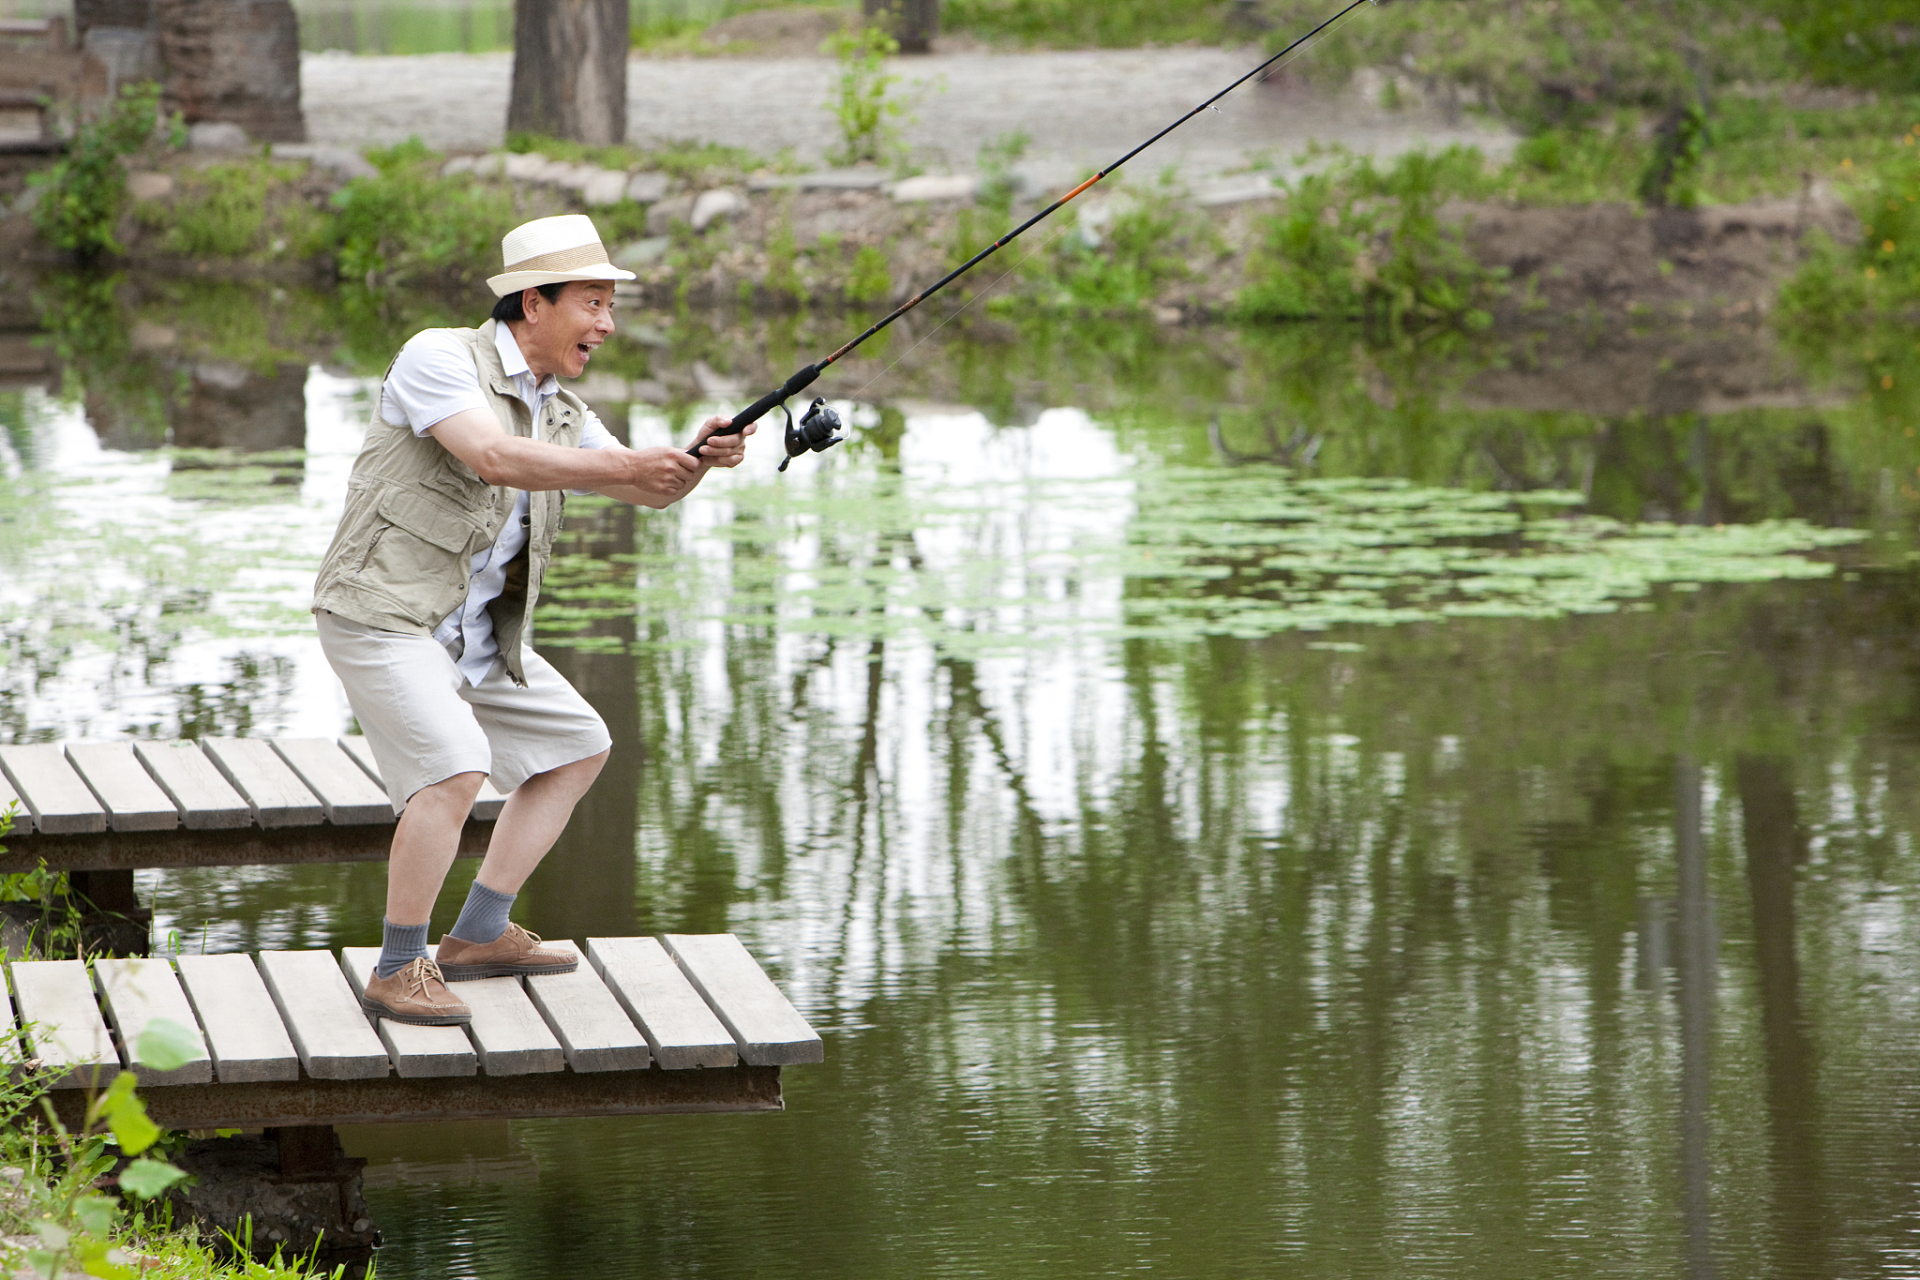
(818, 431)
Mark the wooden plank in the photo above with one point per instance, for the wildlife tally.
(207, 801)
(680, 1029)
(589, 1023)
(132, 799)
(486, 807)
(51, 791)
(135, 992)
(276, 796)
(347, 796)
(558, 1094)
(766, 1026)
(508, 1032)
(246, 847)
(244, 1033)
(65, 1032)
(323, 1015)
(417, 1052)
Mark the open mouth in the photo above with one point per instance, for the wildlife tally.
(586, 352)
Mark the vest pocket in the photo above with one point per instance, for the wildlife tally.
(427, 520)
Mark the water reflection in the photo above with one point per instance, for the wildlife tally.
(1379, 951)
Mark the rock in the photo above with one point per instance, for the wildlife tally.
(641, 252)
(651, 392)
(826, 180)
(715, 385)
(1238, 189)
(343, 162)
(29, 199)
(146, 337)
(716, 206)
(144, 184)
(603, 388)
(664, 215)
(933, 186)
(457, 165)
(606, 186)
(217, 135)
(524, 168)
(645, 188)
(489, 166)
(237, 1177)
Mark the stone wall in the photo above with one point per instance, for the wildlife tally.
(236, 61)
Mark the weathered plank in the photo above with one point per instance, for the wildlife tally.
(277, 797)
(508, 1032)
(246, 847)
(680, 1029)
(323, 1015)
(485, 808)
(242, 1026)
(347, 796)
(587, 1020)
(417, 1052)
(768, 1029)
(135, 992)
(306, 1102)
(207, 801)
(132, 799)
(51, 791)
(64, 1031)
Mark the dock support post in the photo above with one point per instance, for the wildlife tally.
(307, 1150)
(112, 918)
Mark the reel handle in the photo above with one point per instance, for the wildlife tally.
(765, 404)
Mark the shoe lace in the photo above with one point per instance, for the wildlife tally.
(528, 934)
(421, 972)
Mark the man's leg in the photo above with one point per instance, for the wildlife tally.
(536, 813)
(424, 847)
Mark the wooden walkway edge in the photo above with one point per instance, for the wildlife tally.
(285, 1042)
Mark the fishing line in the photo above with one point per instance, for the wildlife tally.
(818, 430)
(1265, 72)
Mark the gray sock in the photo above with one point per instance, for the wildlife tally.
(400, 946)
(484, 918)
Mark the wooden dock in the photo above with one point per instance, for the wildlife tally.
(684, 1023)
(218, 802)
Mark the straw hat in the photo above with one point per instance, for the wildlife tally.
(553, 251)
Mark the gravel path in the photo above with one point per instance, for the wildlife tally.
(1082, 109)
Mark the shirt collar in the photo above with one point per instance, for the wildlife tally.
(514, 365)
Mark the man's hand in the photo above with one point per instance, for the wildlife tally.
(722, 451)
(655, 477)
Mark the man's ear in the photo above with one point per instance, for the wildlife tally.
(531, 299)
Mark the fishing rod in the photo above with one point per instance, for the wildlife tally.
(819, 428)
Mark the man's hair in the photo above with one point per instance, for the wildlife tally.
(510, 307)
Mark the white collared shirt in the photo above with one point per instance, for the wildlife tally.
(432, 379)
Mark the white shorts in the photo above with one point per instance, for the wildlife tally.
(425, 723)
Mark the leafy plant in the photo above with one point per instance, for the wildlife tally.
(83, 195)
(407, 223)
(870, 278)
(222, 209)
(861, 101)
(1880, 275)
(1672, 177)
(1356, 240)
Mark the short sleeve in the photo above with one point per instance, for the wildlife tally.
(432, 379)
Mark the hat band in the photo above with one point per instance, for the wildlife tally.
(586, 255)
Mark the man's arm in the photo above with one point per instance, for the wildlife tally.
(645, 477)
(717, 451)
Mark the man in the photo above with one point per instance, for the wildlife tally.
(425, 598)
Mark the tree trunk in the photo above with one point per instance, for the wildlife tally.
(236, 61)
(914, 23)
(570, 69)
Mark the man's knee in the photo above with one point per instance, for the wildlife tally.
(462, 789)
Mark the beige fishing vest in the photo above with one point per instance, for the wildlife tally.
(416, 516)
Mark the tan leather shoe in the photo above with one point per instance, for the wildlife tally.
(515, 953)
(417, 994)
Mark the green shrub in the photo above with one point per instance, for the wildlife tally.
(222, 209)
(870, 278)
(83, 195)
(1074, 22)
(862, 101)
(1859, 42)
(1837, 286)
(1355, 240)
(407, 223)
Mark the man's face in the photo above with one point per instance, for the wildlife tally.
(561, 336)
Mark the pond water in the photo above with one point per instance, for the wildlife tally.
(1234, 804)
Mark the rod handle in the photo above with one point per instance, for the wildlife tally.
(765, 404)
